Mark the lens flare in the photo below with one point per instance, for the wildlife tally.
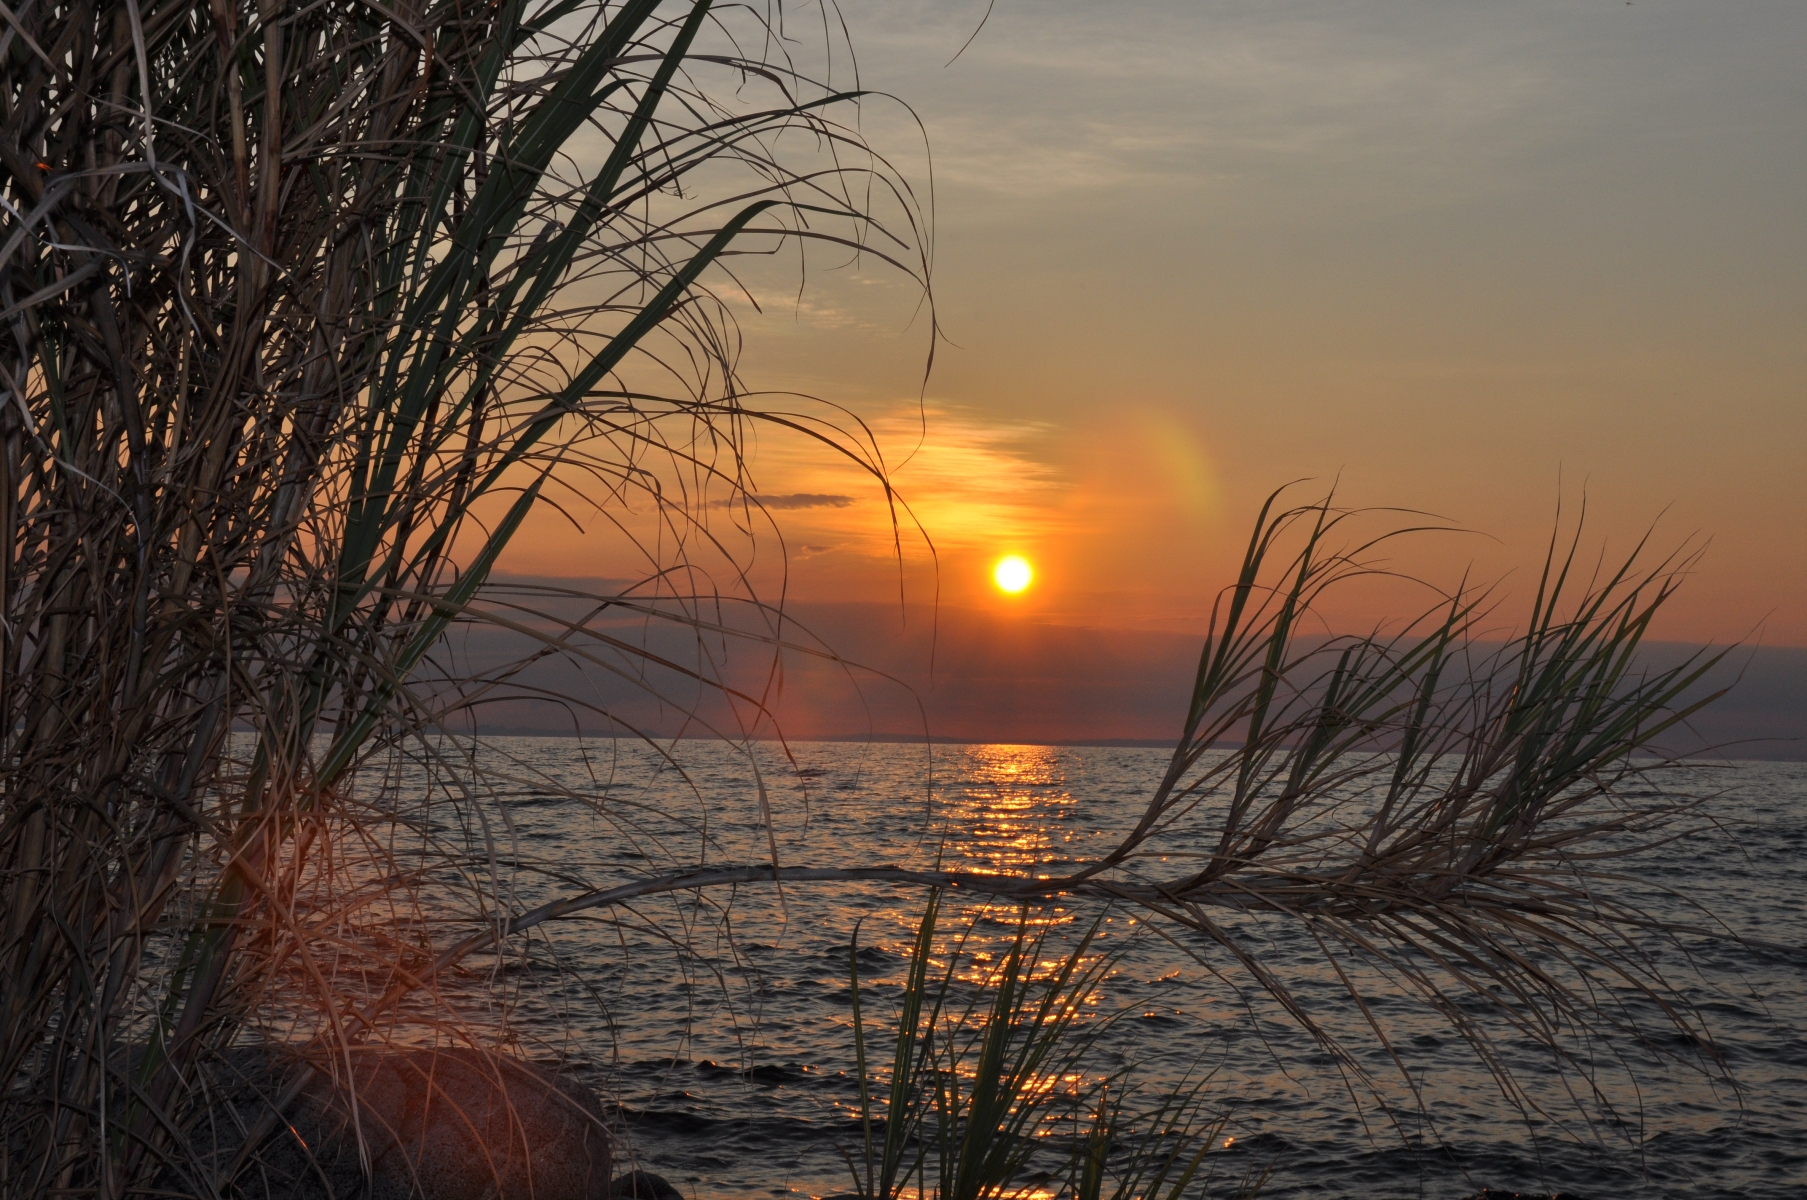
(1012, 573)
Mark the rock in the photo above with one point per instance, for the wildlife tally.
(643, 1185)
(437, 1125)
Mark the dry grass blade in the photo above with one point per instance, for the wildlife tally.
(306, 308)
(1435, 806)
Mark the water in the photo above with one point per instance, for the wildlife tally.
(721, 1026)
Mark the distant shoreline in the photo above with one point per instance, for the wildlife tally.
(886, 739)
(1789, 753)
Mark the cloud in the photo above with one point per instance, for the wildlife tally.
(792, 501)
(964, 479)
(1388, 103)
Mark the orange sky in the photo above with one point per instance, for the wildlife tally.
(1463, 259)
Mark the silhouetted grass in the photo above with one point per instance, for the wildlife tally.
(308, 307)
(991, 1070)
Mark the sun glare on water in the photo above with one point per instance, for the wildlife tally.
(1012, 573)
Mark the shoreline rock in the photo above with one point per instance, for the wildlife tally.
(436, 1124)
(644, 1185)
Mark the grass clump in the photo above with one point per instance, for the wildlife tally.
(307, 307)
(991, 1074)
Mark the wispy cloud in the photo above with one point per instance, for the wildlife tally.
(794, 500)
(1397, 101)
(958, 478)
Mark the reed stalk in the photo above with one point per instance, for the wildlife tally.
(991, 1067)
(307, 308)
(1447, 805)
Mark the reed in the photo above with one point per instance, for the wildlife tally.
(992, 1065)
(1438, 806)
(307, 306)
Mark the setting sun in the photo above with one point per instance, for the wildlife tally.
(1012, 573)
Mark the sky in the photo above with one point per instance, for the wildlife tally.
(1475, 261)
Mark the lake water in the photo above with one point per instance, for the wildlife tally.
(721, 1026)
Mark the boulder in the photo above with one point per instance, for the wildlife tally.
(452, 1124)
(643, 1185)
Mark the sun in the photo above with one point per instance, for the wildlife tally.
(1012, 573)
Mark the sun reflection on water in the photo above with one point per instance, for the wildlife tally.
(1013, 812)
(1013, 809)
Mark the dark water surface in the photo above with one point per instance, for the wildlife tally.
(722, 1028)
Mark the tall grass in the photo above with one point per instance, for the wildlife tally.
(1446, 805)
(994, 1059)
(307, 307)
